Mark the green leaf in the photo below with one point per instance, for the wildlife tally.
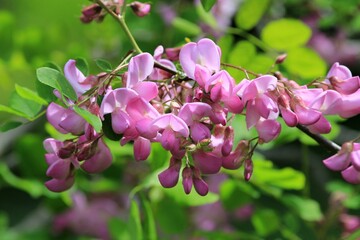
(208, 4)
(134, 224)
(306, 63)
(307, 209)
(149, 220)
(250, 13)
(285, 178)
(9, 125)
(7, 109)
(285, 34)
(183, 25)
(231, 189)
(118, 229)
(103, 65)
(171, 217)
(26, 106)
(55, 79)
(241, 55)
(82, 65)
(45, 92)
(192, 199)
(89, 117)
(265, 221)
(225, 44)
(29, 94)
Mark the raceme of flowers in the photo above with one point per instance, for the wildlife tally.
(189, 112)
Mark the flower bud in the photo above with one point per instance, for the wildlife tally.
(173, 53)
(87, 150)
(67, 150)
(90, 13)
(187, 181)
(140, 9)
(281, 58)
(248, 169)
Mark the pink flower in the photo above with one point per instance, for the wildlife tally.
(347, 160)
(157, 73)
(76, 78)
(258, 102)
(115, 102)
(192, 113)
(65, 120)
(204, 53)
(170, 176)
(140, 67)
(207, 162)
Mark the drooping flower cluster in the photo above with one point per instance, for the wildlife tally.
(189, 112)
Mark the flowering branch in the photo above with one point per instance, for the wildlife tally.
(326, 143)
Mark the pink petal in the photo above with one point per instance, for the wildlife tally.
(173, 122)
(100, 161)
(339, 71)
(120, 121)
(60, 185)
(199, 132)
(268, 130)
(207, 162)
(140, 67)
(75, 77)
(193, 112)
(289, 117)
(351, 175)
(322, 126)
(169, 177)
(355, 159)
(59, 169)
(146, 90)
(306, 116)
(142, 147)
(187, 179)
(337, 162)
(200, 186)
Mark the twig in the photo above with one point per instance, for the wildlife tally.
(326, 143)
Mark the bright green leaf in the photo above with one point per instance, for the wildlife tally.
(192, 199)
(208, 4)
(225, 43)
(241, 55)
(118, 229)
(134, 224)
(250, 13)
(12, 111)
(149, 220)
(82, 65)
(9, 125)
(29, 94)
(103, 65)
(285, 34)
(89, 117)
(26, 106)
(305, 63)
(183, 25)
(285, 178)
(55, 79)
(307, 209)
(265, 221)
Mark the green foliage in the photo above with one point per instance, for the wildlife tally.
(208, 4)
(89, 117)
(250, 13)
(265, 222)
(286, 34)
(55, 79)
(104, 65)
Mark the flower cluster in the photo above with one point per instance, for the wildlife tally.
(189, 112)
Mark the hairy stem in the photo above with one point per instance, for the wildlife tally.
(326, 143)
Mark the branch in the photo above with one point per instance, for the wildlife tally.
(326, 143)
(120, 19)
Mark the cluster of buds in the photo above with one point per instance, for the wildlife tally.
(95, 12)
(189, 112)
